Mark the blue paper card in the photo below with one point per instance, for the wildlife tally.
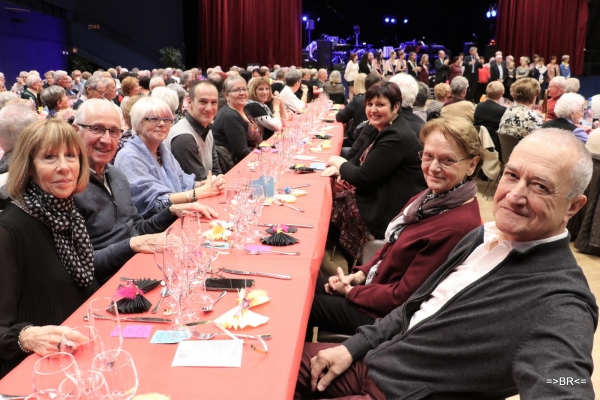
(169, 336)
(318, 165)
(267, 186)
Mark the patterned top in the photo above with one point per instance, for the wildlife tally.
(519, 121)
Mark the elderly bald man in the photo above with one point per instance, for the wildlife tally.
(116, 230)
(510, 312)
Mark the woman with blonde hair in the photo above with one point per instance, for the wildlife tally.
(520, 118)
(266, 107)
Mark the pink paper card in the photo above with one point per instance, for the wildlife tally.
(134, 331)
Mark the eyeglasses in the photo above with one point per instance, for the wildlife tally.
(156, 120)
(239, 91)
(445, 162)
(114, 133)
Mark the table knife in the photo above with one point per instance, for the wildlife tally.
(138, 319)
(296, 225)
(236, 272)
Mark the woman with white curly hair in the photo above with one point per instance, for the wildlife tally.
(569, 110)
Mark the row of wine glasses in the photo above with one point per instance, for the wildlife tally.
(91, 364)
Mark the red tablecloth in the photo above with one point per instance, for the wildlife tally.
(270, 376)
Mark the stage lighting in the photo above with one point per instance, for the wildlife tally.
(318, 19)
(393, 20)
(405, 21)
(304, 18)
(387, 20)
(493, 12)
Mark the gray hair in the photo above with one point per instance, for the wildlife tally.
(32, 79)
(80, 115)
(292, 77)
(568, 104)
(178, 89)
(145, 107)
(92, 83)
(52, 95)
(458, 85)
(185, 78)
(572, 85)
(106, 81)
(228, 84)
(560, 81)
(14, 118)
(155, 82)
(60, 74)
(581, 174)
(408, 87)
(168, 96)
(422, 95)
(5, 97)
(335, 77)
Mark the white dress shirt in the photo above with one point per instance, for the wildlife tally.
(290, 100)
(479, 263)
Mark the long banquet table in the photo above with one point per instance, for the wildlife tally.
(270, 376)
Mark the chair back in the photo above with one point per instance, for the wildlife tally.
(337, 98)
(507, 145)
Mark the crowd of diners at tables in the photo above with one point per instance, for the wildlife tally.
(94, 167)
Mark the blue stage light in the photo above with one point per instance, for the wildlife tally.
(393, 21)
(304, 18)
(493, 13)
(387, 20)
(405, 21)
(488, 14)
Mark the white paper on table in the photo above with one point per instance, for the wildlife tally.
(301, 157)
(209, 353)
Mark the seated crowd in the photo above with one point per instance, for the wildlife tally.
(95, 167)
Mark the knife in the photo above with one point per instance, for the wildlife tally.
(236, 272)
(136, 319)
(202, 322)
(296, 225)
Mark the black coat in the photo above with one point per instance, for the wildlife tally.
(489, 113)
(355, 112)
(415, 122)
(441, 71)
(390, 175)
(495, 72)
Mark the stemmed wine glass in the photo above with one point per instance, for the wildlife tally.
(49, 371)
(84, 343)
(71, 389)
(103, 315)
(121, 377)
(176, 275)
(257, 199)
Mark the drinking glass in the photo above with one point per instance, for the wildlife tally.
(43, 395)
(176, 279)
(104, 316)
(96, 389)
(84, 343)
(245, 176)
(202, 256)
(121, 378)
(49, 371)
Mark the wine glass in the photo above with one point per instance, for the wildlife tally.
(43, 395)
(257, 197)
(49, 371)
(121, 378)
(176, 279)
(84, 343)
(97, 389)
(201, 255)
(103, 315)
(244, 176)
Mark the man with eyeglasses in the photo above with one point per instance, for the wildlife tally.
(116, 230)
(191, 139)
(32, 91)
(510, 312)
(20, 84)
(94, 89)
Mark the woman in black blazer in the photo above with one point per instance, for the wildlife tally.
(381, 178)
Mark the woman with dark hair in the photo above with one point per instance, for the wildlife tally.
(383, 175)
(47, 260)
(234, 128)
(418, 240)
(379, 64)
(364, 65)
(266, 108)
(455, 69)
(351, 72)
(391, 65)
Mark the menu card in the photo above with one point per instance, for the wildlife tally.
(209, 353)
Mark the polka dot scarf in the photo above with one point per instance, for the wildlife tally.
(68, 229)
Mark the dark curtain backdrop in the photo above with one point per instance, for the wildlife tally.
(237, 32)
(544, 27)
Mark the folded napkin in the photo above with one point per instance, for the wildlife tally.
(278, 239)
(133, 300)
(241, 315)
